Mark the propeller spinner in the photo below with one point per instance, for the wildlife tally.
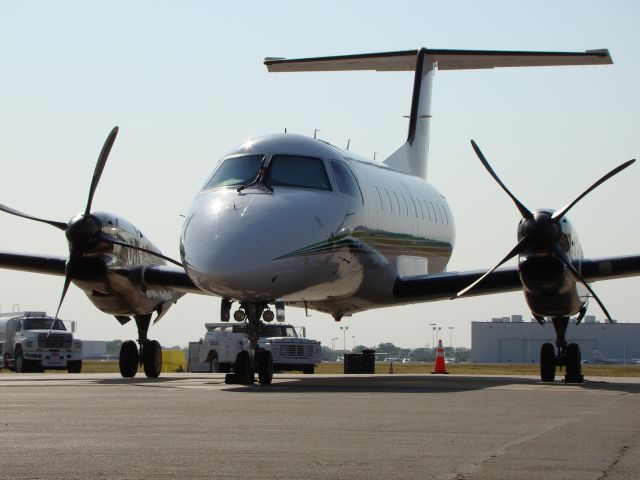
(540, 231)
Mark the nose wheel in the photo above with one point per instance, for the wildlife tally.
(568, 356)
(256, 360)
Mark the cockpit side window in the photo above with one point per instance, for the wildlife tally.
(235, 171)
(297, 171)
(345, 180)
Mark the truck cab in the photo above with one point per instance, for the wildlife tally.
(34, 342)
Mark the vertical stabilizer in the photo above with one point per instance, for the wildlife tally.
(412, 156)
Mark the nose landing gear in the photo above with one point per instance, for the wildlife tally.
(148, 354)
(568, 356)
(256, 360)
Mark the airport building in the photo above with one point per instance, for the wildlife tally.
(512, 340)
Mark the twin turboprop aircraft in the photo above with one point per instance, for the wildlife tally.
(287, 220)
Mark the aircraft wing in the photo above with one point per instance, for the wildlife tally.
(441, 286)
(49, 264)
(169, 277)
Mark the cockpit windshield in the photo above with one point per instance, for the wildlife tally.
(236, 171)
(297, 171)
(282, 171)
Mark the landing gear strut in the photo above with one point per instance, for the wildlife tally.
(256, 360)
(148, 353)
(568, 355)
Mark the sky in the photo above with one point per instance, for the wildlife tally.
(185, 83)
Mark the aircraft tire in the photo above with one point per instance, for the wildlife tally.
(265, 367)
(152, 358)
(242, 370)
(128, 359)
(573, 364)
(547, 363)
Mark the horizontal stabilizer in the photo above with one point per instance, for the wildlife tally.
(445, 60)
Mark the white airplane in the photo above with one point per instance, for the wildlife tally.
(598, 357)
(290, 220)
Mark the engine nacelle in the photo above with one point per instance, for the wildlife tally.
(549, 287)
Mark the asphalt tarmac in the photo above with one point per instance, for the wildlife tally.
(318, 427)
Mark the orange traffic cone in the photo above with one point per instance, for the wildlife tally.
(440, 366)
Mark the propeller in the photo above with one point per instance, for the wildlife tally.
(85, 229)
(540, 231)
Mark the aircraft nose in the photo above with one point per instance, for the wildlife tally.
(237, 246)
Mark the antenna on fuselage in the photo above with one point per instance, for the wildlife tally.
(315, 131)
(285, 129)
(348, 143)
(374, 155)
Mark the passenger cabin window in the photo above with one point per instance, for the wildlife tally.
(236, 171)
(390, 202)
(298, 172)
(397, 201)
(427, 207)
(345, 180)
(380, 198)
(406, 206)
(446, 215)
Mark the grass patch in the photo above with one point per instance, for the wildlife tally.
(333, 368)
(487, 369)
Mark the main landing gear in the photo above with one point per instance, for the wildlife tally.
(568, 356)
(256, 360)
(148, 354)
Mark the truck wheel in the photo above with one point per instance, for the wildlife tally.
(265, 367)
(20, 364)
(74, 366)
(152, 358)
(309, 369)
(128, 359)
(214, 366)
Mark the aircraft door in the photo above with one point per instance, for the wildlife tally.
(347, 185)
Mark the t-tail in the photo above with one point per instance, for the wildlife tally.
(412, 156)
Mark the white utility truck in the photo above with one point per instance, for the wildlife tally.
(217, 351)
(29, 344)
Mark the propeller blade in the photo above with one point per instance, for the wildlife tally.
(97, 173)
(515, 251)
(67, 282)
(565, 259)
(563, 211)
(60, 225)
(113, 241)
(524, 211)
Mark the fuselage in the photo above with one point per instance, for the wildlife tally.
(313, 224)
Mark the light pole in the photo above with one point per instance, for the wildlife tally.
(333, 343)
(433, 331)
(451, 341)
(353, 337)
(344, 337)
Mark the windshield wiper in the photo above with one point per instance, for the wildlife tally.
(259, 178)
